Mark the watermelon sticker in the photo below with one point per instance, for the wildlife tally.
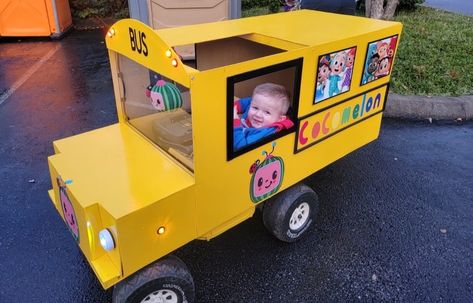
(164, 96)
(68, 210)
(267, 176)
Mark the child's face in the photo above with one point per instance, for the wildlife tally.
(264, 111)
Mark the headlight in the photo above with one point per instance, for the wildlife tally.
(106, 239)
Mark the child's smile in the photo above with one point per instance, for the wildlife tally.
(264, 111)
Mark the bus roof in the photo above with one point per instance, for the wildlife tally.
(298, 29)
(304, 27)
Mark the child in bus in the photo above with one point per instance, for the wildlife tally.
(261, 115)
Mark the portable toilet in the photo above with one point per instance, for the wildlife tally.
(34, 18)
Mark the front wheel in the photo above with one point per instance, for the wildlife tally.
(290, 213)
(166, 281)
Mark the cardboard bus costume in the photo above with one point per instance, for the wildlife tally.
(156, 180)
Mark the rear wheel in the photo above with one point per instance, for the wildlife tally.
(289, 214)
(166, 281)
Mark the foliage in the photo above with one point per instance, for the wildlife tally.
(99, 8)
(409, 4)
(433, 57)
(249, 4)
(272, 5)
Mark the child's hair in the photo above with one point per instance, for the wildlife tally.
(275, 91)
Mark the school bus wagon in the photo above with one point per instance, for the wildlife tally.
(168, 173)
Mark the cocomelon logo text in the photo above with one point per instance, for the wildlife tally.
(325, 123)
(266, 176)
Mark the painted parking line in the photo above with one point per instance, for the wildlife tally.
(4, 96)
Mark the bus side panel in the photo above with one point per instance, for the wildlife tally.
(224, 188)
(139, 241)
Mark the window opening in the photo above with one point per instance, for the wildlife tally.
(159, 108)
(262, 106)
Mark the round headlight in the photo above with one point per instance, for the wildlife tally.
(106, 239)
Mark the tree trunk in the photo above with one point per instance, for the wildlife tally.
(390, 9)
(368, 8)
(377, 10)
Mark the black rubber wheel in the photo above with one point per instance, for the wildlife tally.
(167, 280)
(290, 213)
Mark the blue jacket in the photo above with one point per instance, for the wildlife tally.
(244, 134)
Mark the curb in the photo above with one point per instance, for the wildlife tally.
(427, 107)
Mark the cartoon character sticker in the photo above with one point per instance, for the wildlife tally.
(379, 58)
(334, 74)
(68, 210)
(266, 176)
(164, 96)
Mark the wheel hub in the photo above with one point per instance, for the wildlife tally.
(299, 216)
(161, 296)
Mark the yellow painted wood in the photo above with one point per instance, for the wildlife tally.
(305, 27)
(115, 166)
(138, 42)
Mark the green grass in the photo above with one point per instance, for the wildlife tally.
(435, 55)
(256, 11)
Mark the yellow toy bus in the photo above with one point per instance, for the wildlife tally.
(198, 146)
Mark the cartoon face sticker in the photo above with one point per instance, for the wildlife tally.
(267, 177)
(68, 211)
(379, 59)
(157, 100)
(324, 72)
(383, 68)
(373, 65)
(384, 50)
(338, 64)
(350, 58)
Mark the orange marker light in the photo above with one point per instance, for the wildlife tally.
(111, 32)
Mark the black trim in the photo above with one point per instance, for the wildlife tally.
(297, 64)
(366, 57)
(341, 129)
(386, 97)
(317, 71)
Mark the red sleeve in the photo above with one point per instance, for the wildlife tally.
(236, 122)
(284, 124)
(237, 103)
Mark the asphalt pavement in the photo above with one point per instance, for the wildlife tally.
(395, 224)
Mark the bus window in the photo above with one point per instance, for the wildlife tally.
(261, 106)
(159, 108)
